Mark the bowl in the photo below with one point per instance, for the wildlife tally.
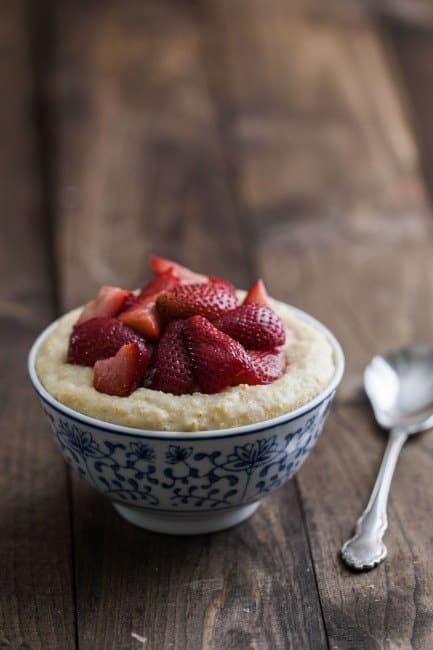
(188, 483)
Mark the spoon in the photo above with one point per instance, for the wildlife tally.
(399, 386)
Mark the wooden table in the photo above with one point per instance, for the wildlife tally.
(291, 140)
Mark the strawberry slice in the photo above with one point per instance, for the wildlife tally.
(130, 300)
(108, 303)
(100, 338)
(256, 326)
(171, 366)
(209, 300)
(217, 360)
(144, 317)
(162, 282)
(257, 293)
(227, 285)
(122, 374)
(267, 366)
(185, 276)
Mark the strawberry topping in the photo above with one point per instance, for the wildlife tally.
(122, 374)
(223, 283)
(100, 338)
(255, 326)
(267, 366)
(160, 265)
(209, 300)
(199, 337)
(143, 317)
(257, 293)
(217, 360)
(129, 301)
(162, 282)
(108, 303)
(171, 365)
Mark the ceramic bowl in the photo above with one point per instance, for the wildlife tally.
(188, 483)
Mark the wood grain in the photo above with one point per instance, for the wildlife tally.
(139, 165)
(411, 49)
(410, 12)
(36, 597)
(141, 169)
(327, 173)
(252, 586)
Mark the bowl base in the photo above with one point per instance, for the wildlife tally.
(185, 523)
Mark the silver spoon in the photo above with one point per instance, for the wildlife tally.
(399, 386)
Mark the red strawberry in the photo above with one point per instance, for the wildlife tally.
(230, 287)
(129, 301)
(143, 317)
(122, 374)
(100, 338)
(171, 366)
(162, 282)
(255, 326)
(108, 303)
(267, 366)
(217, 360)
(209, 300)
(257, 293)
(185, 276)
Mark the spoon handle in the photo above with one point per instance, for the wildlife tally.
(366, 549)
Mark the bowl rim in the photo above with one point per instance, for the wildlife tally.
(200, 434)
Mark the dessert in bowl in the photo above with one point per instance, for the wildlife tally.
(187, 402)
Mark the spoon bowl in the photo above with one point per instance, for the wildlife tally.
(399, 386)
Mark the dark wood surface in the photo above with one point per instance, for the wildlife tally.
(36, 582)
(290, 140)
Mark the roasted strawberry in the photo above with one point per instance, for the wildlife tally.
(159, 284)
(227, 285)
(130, 300)
(209, 300)
(256, 326)
(162, 282)
(100, 338)
(143, 317)
(267, 366)
(170, 369)
(186, 276)
(257, 294)
(218, 361)
(108, 303)
(122, 374)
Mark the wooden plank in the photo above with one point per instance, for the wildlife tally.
(36, 596)
(327, 173)
(410, 12)
(410, 47)
(141, 170)
(246, 587)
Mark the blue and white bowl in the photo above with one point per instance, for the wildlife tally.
(188, 483)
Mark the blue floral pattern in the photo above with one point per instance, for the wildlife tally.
(206, 474)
